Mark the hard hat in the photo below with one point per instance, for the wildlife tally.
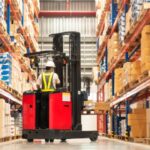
(50, 64)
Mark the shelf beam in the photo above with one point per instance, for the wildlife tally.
(144, 85)
(9, 97)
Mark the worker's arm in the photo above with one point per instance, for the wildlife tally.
(57, 81)
(39, 82)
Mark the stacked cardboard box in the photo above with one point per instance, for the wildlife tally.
(131, 72)
(109, 124)
(113, 48)
(123, 127)
(145, 49)
(137, 121)
(135, 70)
(126, 73)
(108, 90)
(12, 74)
(19, 44)
(18, 124)
(118, 79)
(128, 20)
(5, 119)
(95, 74)
(122, 27)
(148, 122)
(2, 116)
(6, 68)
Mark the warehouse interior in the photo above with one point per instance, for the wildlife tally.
(75, 74)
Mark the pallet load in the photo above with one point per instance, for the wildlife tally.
(148, 122)
(126, 73)
(109, 124)
(128, 20)
(5, 119)
(113, 48)
(131, 73)
(118, 80)
(6, 68)
(137, 122)
(2, 115)
(12, 75)
(135, 71)
(145, 49)
(108, 90)
(122, 27)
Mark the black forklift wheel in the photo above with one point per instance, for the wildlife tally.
(51, 140)
(46, 140)
(94, 138)
(30, 140)
(63, 140)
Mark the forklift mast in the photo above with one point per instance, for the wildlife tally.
(74, 71)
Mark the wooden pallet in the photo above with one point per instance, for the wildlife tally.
(10, 138)
(144, 75)
(120, 137)
(10, 90)
(140, 140)
(130, 85)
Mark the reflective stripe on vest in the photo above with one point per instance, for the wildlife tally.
(47, 86)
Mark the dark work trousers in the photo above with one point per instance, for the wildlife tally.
(44, 110)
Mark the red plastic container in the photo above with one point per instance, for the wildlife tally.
(60, 111)
(29, 111)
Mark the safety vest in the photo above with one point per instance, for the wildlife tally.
(47, 82)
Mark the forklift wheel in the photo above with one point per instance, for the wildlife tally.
(94, 138)
(51, 140)
(46, 140)
(63, 140)
(30, 140)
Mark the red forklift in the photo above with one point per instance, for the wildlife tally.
(57, 115)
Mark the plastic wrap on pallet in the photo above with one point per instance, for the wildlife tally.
(6, 68)
(2, 9)
(102, 66)
(137, 6)
(122, 27)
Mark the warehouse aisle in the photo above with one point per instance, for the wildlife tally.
(101, 144)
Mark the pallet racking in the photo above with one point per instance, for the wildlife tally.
(121, 104)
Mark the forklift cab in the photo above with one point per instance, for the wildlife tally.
(57, 115)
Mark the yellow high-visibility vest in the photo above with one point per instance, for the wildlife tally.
(47, 82)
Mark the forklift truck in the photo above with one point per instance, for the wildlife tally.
(60, 115)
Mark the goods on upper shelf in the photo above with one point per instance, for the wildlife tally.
(145, 46)
(113, 48)
(11, 73)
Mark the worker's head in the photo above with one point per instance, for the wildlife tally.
(50, 65)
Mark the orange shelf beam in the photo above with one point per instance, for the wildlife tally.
(145, 19)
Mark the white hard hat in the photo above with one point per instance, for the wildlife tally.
(50, 64)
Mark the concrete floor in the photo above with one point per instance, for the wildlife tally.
(83, 144)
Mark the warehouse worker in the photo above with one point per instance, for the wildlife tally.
(47, 81)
